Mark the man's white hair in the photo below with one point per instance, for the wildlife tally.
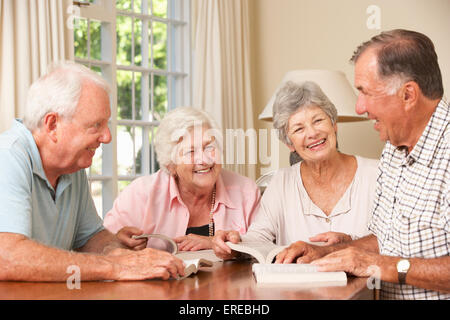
(174, 126)
(58, 91)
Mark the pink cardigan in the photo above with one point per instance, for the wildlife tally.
(153, 204)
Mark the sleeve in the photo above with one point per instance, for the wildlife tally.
(127, 210)
(253, 204)
(89, 223)
(264, 223)
(15, 196)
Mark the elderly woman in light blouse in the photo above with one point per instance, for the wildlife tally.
(324, 198)
(191, 195)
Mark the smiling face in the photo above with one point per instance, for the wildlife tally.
(384, 108)
(197, 164)
(85, 131)
(312, 133)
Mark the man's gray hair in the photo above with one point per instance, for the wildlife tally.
(291, 98)
(402, 56)
(174, 126)
(58, 91)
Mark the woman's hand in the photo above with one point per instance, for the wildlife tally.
(125, 236)
(220, 248)
(331, 238)
(193, 242)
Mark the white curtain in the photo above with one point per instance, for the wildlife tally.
(221, 73)
(32, 35)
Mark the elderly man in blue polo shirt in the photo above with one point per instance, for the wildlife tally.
(48, 221)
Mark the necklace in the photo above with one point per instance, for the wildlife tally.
(211, 220)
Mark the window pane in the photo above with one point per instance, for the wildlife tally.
(80, 37)
(137, 42)
(159, 45)
(122, 184)
(96, 192)
(123, 37)
(96, 166)
(123, 4)
(154, 165)
(139, 154)
(125, 150)
(160, 8)
(96, 43)
(138, 5)
(124, 94)
(137, 95)
(97, 69)
(160, 101)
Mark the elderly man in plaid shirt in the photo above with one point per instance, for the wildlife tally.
(400, 88)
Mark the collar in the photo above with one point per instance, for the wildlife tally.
(423, 152)
(343, 206)
(222, 196)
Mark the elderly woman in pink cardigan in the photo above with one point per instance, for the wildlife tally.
(191, 195)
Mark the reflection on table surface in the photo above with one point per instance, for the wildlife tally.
(229, 280)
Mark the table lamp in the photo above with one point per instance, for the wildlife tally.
(333, 83)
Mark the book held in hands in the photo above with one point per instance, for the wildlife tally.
(268, 273)
(193, 260)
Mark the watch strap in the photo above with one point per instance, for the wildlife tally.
(402, 277)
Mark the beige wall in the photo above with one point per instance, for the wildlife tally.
(322, 34)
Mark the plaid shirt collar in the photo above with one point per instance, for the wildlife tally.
(423, 152)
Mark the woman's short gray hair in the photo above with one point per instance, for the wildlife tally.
(58, 91)
(176, 125)
(291, 98)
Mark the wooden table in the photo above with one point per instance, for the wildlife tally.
(230, 280)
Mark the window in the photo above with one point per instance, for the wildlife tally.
(142, 48)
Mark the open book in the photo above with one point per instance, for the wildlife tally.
(263, 252)
(194, 260)
(296, 274)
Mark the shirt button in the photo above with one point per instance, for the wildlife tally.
(327, 220)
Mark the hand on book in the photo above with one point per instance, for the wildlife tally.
(193, 242)
(144, 264)
(301, 252)
(125, 236)
(331, 237)
(220, 248)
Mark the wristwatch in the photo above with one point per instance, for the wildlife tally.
(402, 269)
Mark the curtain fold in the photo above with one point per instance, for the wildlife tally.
(221, 73)
(32, 35)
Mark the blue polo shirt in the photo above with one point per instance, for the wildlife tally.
(65, 218)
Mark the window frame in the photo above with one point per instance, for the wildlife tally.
(178, 91)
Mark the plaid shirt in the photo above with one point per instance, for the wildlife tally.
(411, 215)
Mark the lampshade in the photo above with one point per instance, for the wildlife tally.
(333, 83)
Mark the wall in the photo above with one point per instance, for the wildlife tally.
(322, 34)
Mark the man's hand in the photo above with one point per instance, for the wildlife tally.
(125, 236)
(193, 242)
(353, 260)
(300, 252)
(220, 248)
(144, 264)
(331, 238)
